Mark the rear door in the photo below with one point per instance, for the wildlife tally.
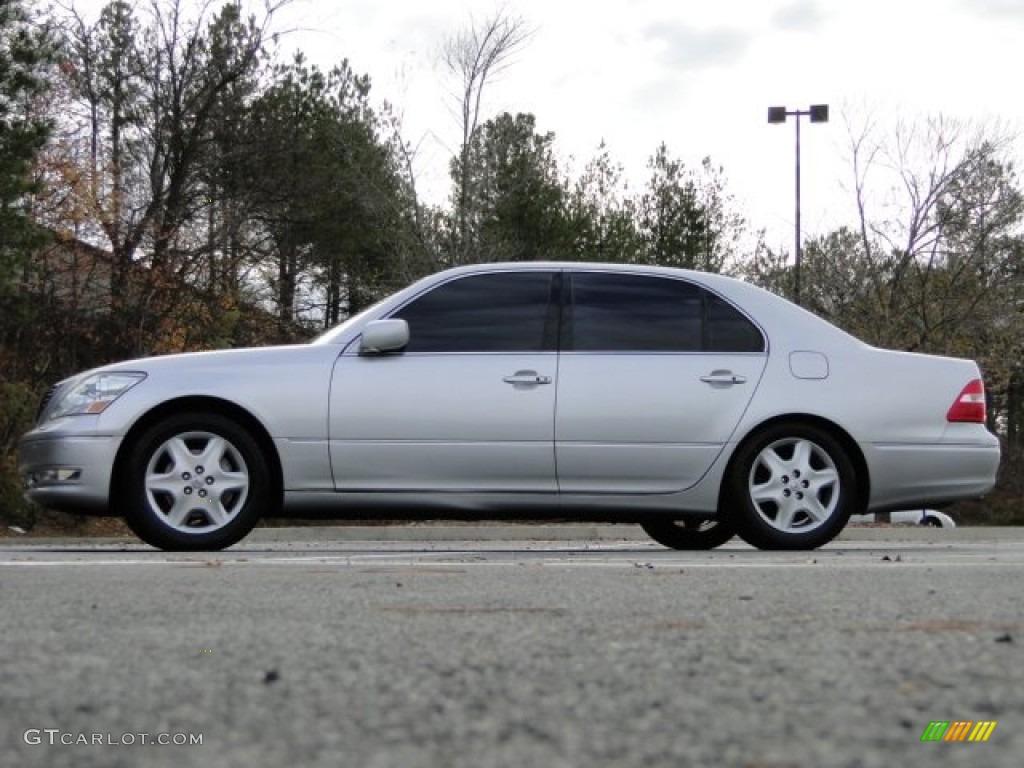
(654, 375)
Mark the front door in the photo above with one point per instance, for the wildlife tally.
(468, 406)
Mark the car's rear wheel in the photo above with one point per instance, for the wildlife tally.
(792, 486)
(698, 533)
(195, 481)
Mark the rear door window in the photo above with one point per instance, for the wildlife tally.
(613, 312)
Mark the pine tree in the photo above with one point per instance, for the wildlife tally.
(27, 51)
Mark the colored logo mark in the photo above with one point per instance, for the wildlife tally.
(958, 730)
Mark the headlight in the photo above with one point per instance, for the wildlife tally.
(94, 393)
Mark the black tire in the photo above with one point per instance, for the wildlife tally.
(173, 502)
(690, 534)
(791, 486)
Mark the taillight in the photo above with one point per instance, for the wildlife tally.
(970, 404)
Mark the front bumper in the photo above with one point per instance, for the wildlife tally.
(69, 473)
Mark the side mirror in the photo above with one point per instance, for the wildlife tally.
(380, 336)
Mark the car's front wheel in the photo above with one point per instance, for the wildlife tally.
(706, 533)
(792, 486)
(195, 481)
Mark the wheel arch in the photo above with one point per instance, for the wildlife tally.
(844, 438)
(199, 403)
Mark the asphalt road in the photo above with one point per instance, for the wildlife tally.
(300, 648)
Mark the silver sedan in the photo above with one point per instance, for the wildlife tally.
(696, 405)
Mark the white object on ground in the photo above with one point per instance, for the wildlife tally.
(931, 517)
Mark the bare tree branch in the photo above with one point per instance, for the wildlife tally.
(476, 56)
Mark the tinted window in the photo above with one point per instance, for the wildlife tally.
(729, 331)
(611, 313)
(501, 312)
(620, 313)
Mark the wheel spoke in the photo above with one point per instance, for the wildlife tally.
(232, 481)
(770, 491)
(169, 482)
(217, 514)
(178, 513)
(774, 463)
(786, 513)
(212, 453)
(820, 479)
(179, 452)
(812, 506)
(802, 453)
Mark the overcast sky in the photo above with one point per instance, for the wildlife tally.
(696, 74)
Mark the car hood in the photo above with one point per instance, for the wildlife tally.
(255, 357)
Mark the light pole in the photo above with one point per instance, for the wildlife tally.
(818, 114)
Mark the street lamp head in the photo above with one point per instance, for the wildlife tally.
(777, 114)
(819, 113)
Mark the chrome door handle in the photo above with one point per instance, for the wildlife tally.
(723, 378)
(526, 378)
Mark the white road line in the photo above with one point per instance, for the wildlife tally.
(657, 564)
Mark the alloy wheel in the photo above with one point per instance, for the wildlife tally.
(794, 485)
(196, 482)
